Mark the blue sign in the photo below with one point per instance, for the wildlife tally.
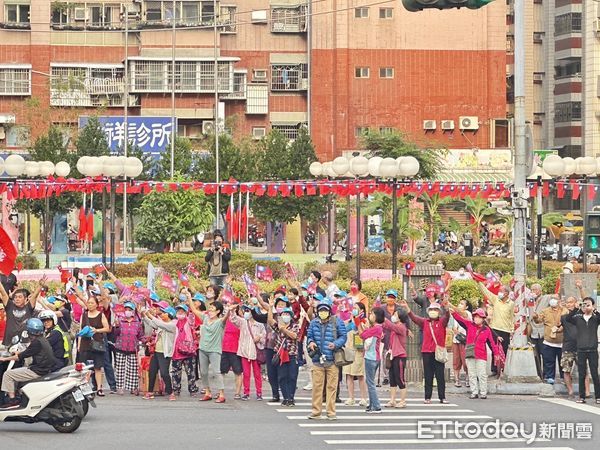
(151, 134)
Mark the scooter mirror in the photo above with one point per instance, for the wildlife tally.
(25, 334)
(15, 340)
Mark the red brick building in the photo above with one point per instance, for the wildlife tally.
(339, 67)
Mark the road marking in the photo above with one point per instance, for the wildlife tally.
(373, 432)
(421, 441)
(383, 417)
(572, 404)
(341, 405)
(390, 411)
(381, 399)
(488, 448)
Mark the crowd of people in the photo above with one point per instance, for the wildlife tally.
(141, 344)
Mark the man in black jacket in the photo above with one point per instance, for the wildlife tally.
(218, 257)
(43, 362)
(587, 320)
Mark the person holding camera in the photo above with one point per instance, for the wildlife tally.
(218, 257)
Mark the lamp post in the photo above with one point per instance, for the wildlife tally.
(113, 168)
(385, 169)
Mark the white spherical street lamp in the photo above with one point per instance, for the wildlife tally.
(14, 165)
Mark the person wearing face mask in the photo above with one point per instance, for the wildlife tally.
(372, 338)
(587, 322)
(434, 334)
(536, 330)
(326, 333)
(503, 317)
(391, 307)
(553, 337)
(165, 327)
(184, 352)
(397, 328)
(478, 335)
(230, 359)
(357, 296)
(252, 337)
(458, 343)
(212, 294)
(356, 370)
(128, 332)
(286, 350)
(568, 359)
(218, 257)
(330, 287)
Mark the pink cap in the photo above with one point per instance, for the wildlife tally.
(480, 312)
(162, 304)
(434, 306)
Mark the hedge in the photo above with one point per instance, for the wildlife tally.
(30, 262)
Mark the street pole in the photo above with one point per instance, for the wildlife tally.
(348, 255)
(584, 210)
(330, 225)
(217, 125)
(112, 224)
(47, 232)
(358, 236)
(104, 225)
(538, 208)
(125, 125)
(173, 126)
(394, 229)
(520, 363)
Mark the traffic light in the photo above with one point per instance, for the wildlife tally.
(420, 5)
(592, 232)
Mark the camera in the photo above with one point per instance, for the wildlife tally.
(314, 352)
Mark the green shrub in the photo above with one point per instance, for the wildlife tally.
(29, 262)
(465, 290)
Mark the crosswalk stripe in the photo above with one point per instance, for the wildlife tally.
(421, 441)
(384, 417)
(312, 424)
(486, 448)
(382, 401)
(572, 404)
(372, 432)
(386, 411)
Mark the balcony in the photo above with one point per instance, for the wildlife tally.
(15, 25)
(88, 92)
(288, 19)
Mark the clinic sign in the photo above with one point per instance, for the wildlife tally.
(151, 134)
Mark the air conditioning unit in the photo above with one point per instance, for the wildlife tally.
(538, 77)
(208, 127)
(469, 122)
(259, 132)
(429, 125)
(259, 16)
(259, 75)
(447, 124)
(80, 14)
(304, 84)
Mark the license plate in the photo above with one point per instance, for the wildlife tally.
(78, 395)
(86, 389)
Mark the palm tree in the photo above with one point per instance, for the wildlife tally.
(394, 145)
(478, 208)
(433, 203)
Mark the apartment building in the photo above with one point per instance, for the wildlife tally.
(339, 67)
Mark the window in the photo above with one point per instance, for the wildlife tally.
(567, 112)
(17, 136)
(106, 16)
(258, 132)
(361, 72)
(361, 131)
(227, 19)
(571, 69)
(567, 23)
(289, 77)
(386, 130)
(82, 86)
(361, 13)
(17, 14)
(257, 101)
(153, 11)
(386, 72)
(386, 13)
(15, 81)
(239, 84)
(289, 131)
(290, 19)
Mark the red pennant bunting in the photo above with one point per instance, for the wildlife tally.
(546, 189)
(576, 189)
(591, 192)
(285, 190)
(298, 190)
(560, 190)
(311, 189)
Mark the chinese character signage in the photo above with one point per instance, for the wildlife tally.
(151, 134)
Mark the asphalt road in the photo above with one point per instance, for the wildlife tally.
(133, 423)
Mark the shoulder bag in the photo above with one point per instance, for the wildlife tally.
(96, 346)
(441, 354)
(261, 357)
(343, 356)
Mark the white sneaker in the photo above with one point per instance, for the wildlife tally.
(363, 402)
(350, 402)
(308, 387)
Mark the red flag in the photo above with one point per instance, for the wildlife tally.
(185, 281)
(99, 268)
(291, 271)
(8, 253)
(228, 297)
(65, 275)
(82, 224)
(168, 283)
(192, 269)
(19, 266)
(263, 273)
(90, 225)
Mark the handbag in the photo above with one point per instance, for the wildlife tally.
(470, 348)
(342, 356)
(461, 338)
(388, 359)
(281, 357)
(357, 342)
(441, 354)
(261, 357)
(96, 346)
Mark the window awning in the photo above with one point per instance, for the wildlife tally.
(475, 177)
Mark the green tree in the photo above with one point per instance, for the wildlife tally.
(170, 217)
(433, 204)
(478, 208)
(91, 141)
(394, 145)
(184, 160)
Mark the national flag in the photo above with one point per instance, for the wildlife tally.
(251, 286)
(476, 276)
(167, 282)
(183, 278)
(290, 271)
(228, 297)
(65, 275)
(99, 268)
(192, 269)
(8, 253)
(151, 277)
(90, 225)
(377, 303)
(118, 310)
(82, 224)
(263, 273)
(311, 286)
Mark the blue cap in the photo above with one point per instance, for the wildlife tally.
(154, 297)
(324, 304)
(51, 299)
(341, 294)
(287, 310)
(86, 332)
(199, 297)
(319, 297)
(129, 305)
(184, 307)
(392, 293)
(247, 308)
(91, 275)
(111, 286)
(170, 311)
(138, 284)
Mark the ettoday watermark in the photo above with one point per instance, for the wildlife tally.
(444, 429)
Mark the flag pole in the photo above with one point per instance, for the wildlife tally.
(239, 224)
(247, 216)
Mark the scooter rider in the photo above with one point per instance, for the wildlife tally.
(57, 339)
(43, 362)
